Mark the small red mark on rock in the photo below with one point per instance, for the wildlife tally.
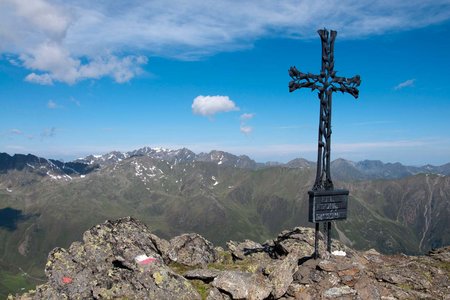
(67, 280)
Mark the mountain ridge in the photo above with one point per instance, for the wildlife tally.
(219, 201)
(341, 168)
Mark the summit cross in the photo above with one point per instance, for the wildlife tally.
(326, 83)
(325, 202)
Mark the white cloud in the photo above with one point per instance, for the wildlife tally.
(246, 129)
(52, 104)
(247, 116)
(69, 41)
(37, 33)
(211, 105)
(43, 79)
(16, 131)
(49, 19)
(407, 83)
(58, 65)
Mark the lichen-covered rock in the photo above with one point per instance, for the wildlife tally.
(191, 249)
(123, 260)
(281, 273)
(442, 254)
(215, 294)
(162, 246)
(337, 292)
(44, 291)
(243, 285)
(239, 250)
(301, 239)
(116, 260)
(367, 289)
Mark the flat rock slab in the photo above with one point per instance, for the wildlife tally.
(243, 285)
(337, 292)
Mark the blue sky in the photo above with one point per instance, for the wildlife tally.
(78, 78)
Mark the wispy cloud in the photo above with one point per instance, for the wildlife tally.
(43, 79)
(246, 116)
(58, 41)
(48, 132)
(16, 131)
(211, 105)
(75, 101)
(246, 129)
(52, 104)
(407, 83)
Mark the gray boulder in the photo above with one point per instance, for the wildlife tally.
(281, 273)
(123, 260)
(240, 250)
(192, 249)
(116, 260)
(215, 294)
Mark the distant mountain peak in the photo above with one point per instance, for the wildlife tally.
(300, 163)
(54, 169)
(227, 159)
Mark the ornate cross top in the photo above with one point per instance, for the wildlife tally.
(326, 83)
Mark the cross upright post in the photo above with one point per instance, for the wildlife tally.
(325, 202)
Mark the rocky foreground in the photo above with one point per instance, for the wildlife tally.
(123, 260)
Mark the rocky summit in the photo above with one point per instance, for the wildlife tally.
(122, 259)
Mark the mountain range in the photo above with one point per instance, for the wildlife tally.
(46, 203)
(341, 168)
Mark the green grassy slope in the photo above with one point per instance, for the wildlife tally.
(221, 203)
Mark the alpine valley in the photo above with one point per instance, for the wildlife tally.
(47, 203)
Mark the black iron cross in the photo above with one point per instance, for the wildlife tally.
(325, 202)
(326, 83)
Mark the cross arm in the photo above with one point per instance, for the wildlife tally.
(302, 80)
(346, 85)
